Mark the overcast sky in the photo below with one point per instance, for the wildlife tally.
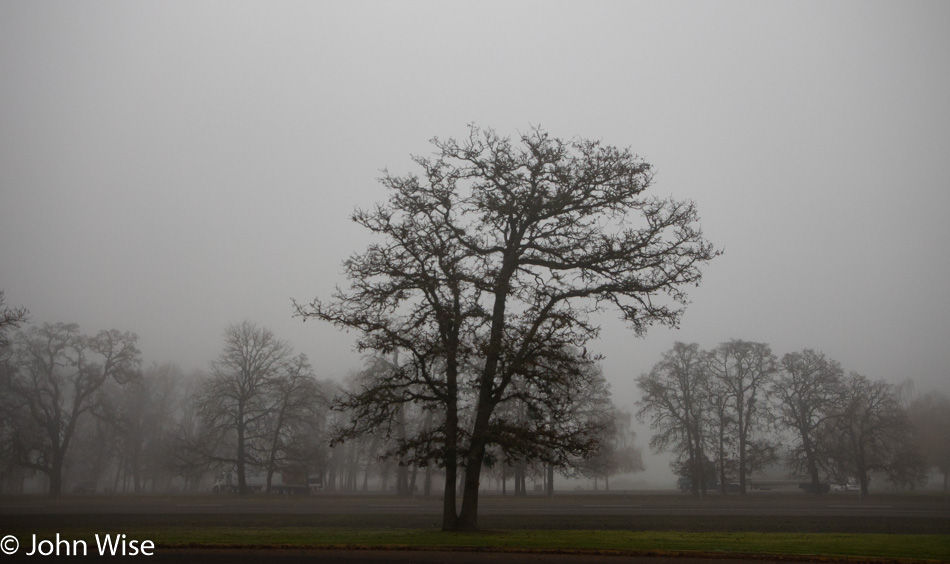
(172, 167)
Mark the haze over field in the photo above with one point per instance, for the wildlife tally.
(170, 168)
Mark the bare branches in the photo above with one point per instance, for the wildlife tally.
(10, 318)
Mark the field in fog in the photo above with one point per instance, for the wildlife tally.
(890, 525)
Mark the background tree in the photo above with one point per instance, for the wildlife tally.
(871, 432)
(234, 401)
(293, 397)
(184, 448)
(498, 255)
(58, 374)
(672, 396)
(744, 370)
(807, 390)
(140, 417)
(618, 453)
(11, 475)
(720, 424)
(930, 415)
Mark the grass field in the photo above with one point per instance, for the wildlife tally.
(854, 539)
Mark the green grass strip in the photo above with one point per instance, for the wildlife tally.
(861, 546)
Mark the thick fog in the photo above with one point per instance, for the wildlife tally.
(169, 168)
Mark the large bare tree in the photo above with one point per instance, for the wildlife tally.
(490, 265)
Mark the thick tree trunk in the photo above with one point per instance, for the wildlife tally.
(812, 463)
(449, 517)
(468, 516)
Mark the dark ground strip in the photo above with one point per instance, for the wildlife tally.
(11, 523)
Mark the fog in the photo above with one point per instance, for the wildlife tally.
(171, 168)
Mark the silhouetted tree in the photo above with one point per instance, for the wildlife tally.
(493, 260)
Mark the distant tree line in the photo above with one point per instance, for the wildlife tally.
(727, 412)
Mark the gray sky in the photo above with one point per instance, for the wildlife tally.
(172, 167)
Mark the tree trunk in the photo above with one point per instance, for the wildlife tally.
(270, 477)
(56, 475)
(402, 468)
(468, 516)
(241, 467)
(812, 463)
(449, 517)
(742, 462)
(520, 478)
(722, 463)
(412, 479)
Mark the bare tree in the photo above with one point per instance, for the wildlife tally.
(618, 453)
(293, 397)
(807, 391)
(497, 256)
(672, 395)
(744, 370)
(58, 374)
(234, 401)
(871, 432)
